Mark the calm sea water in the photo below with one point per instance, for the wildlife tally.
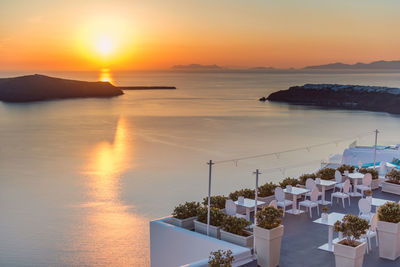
(80, 179)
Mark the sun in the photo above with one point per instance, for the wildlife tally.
(104, 45)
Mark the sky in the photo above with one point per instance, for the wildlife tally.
(157, 34)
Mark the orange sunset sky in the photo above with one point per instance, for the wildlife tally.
(156, 34)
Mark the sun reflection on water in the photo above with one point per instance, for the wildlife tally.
(111, 233)
(105, 75)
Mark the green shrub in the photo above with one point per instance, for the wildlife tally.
(326, 174)
(345, 167)
(216, 201)
(216, 216)
(352, 228)
(267, 189)
(393, 176)
(389, 212)
(269, 217)
(247, 193)
(187, 210)
(289, 181)
(235, 225)
(221, 258)
(303, 178)
(374, 173)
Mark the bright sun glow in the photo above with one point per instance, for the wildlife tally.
(104, 45)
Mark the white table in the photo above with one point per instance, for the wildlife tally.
(354, 178)
(296, 191)
(249, 205)
(378, 201)
(323, 184)
(332, 218)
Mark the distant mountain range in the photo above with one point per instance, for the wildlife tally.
(376, 65)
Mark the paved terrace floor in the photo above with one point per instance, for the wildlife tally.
(302, 237)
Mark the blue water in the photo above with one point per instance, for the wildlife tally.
(80, 179)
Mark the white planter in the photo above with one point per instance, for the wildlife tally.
(200, 227)
(244, 241)
(184, 223)
(266, 199)
(268, 245)
(375, 184)
(347, 256)
(391, 188)
(389, 240)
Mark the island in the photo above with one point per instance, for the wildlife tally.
(372, 98)
(147, 87)
(40, 87)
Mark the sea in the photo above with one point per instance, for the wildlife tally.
(80, 179)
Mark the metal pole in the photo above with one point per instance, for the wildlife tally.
(376, 142)
(210, 163)
(255, 208)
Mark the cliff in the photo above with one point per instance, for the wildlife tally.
(373, 98)
(39, 87)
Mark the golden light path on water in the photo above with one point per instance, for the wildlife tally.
(111, 234)
(105, 75)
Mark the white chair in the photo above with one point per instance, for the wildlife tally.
(371, 232)
(312, 203)
(366, 183)
(365, 209)
(274, 204)
(344, 194)
(230, 209)
(280, 199)
(338, 179)
(310, 184)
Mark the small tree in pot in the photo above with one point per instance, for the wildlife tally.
(346, 167)
(216, 201)
(221, 258)
(326, 173)
(349, 251)
(216, 219)
(268, 236)
(392, 184)
(389, 230)
(184, 215)
(266, 192)
(247, 193)
(233, 230)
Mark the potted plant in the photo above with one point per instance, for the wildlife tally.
(268, 236)
(392, 185)
(346, 167)
(324, 214)
(221, 258)
(216, 201)
(185, 214)
(247, 193)
(303, 178)
(368, 195)
(349, 251)
(216, 219)
(266, 192)
(389, 230)
(326, 173)
(375, 176)
(233, 230)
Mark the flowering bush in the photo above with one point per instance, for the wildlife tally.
(247, 193)
(269, 217)
(345, 167)
(216, 201)
(374, 173)
(304, 177)
(389, 212)
(289, 181)
(221, 258)
(326, 174)
(393, 176)
(267, 189)
(187, 210)
(216, 216)
(235, 225)
(352, 228)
